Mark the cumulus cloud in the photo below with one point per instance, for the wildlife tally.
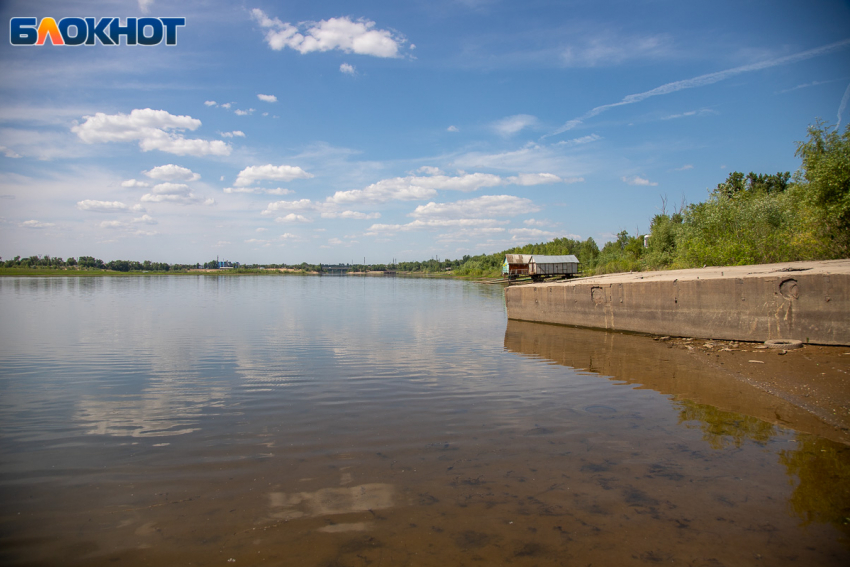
(172, 193)
(134, 183)
(257, 190)
(536, 222)
(527, 179)
(153, 129)
(255, 173)
(145, 219)
(299, 205)
(36, 224)
(172, 172)
(210, 103)
(292, 217)
(240, 112)
(101, 206)
(234, 134)
(513, 124)
(347, 69)
(452, 129)
(267, 97)
(344, 34)
(449, 229)
(350, 215)
(485, 206)
(416, 188)
(326, 209)
(637, 180)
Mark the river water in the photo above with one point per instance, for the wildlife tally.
(381, 421)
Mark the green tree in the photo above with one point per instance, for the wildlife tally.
(824, 177)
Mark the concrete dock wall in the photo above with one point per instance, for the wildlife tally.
(807, 301)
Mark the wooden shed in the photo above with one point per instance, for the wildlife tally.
(515, 265)
(540, 266)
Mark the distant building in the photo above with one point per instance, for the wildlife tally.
(540, 266)
(515, 265)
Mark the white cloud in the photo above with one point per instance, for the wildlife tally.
(234, 134)
(452, 129)
(637, 180)
(433, 224)
(430, 170)
(101, 206)
(240, 112)
(257, 190)
(513, 124)
(327, 210)
(350, 215)
(227, 105)
(336, 33)
(255, 173)
(172, 193)
(172, 172)
(134, 183)
(267, 97)
(210, 103)
(300, 205)
(579, 141)
(292, 217)
(112, 224)
(36, 224)
(485, 206)
(347, 69)
(9, 153)
(684, 167)
(416, 188)
(536, 222)
(413, 188)
(527, 179)
(146, 219)
(154, 130)
(704, 80)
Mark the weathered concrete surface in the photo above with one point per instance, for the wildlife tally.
(807, 301)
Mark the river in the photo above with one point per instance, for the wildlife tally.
(284, 420)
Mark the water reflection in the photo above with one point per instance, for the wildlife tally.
(821, 471)
(818, 468)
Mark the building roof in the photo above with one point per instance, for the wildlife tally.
(539, 259)
(517, 258)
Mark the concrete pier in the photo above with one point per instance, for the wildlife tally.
(806, 301)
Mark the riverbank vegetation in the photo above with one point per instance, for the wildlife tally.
(747, 219)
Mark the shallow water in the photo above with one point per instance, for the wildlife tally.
(356, 421)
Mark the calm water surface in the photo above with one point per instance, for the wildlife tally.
(368, 421)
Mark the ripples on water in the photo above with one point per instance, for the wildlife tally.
(349, 421)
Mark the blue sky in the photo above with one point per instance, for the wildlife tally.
(333, 131)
